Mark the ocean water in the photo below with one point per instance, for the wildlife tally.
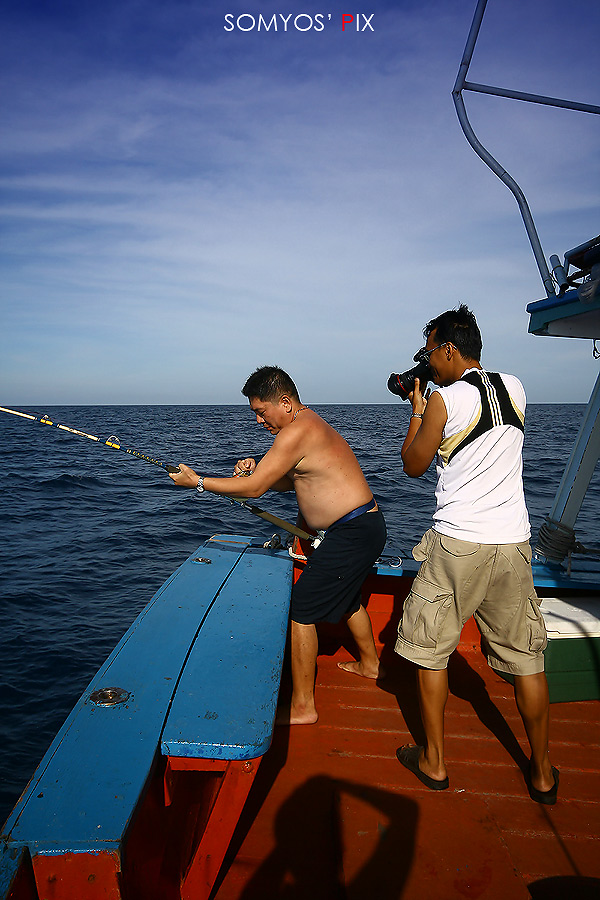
(90, 533)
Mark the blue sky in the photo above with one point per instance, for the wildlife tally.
(183, 202)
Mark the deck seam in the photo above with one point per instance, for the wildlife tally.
(451, 734)
(549, 835)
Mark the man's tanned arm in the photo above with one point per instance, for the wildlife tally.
(270, 473)
(424, 437)
(247, 466)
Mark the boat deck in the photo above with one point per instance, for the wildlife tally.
(332, 814)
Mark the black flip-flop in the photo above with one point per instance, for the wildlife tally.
(548, 798)
(409, 757)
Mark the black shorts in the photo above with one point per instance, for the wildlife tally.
(329, 587)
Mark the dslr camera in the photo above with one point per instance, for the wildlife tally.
(404, 383)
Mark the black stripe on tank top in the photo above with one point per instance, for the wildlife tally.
(496, 406)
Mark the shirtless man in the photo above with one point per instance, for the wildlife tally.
(309, 457)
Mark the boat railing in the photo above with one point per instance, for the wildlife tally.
(461, 84)
(555, 315)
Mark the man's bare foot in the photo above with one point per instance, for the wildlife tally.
(293, 716)
(357, 668)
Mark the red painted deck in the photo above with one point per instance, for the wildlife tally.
(332, 814)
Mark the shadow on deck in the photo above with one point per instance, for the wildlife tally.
(333, 815)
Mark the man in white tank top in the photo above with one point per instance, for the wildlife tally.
(476, 559)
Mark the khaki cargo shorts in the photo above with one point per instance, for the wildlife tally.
(459, 579)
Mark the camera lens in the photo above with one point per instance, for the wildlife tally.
(403, 384)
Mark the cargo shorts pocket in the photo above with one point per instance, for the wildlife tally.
(525, 550)
(456, 547)
(425, 611)
(536, 628)
(424, 547)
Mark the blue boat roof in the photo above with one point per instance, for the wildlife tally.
(565, 316)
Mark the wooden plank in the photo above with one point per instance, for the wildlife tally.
(222, 715)
(226, 699)
(212, 847)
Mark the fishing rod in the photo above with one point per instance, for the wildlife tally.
(112, 442)
(115, 444)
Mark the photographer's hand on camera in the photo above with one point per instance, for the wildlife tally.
(418, 401)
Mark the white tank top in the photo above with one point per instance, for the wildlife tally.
(479, 491)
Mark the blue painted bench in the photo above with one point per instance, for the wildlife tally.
(199, 669)
(222, 715)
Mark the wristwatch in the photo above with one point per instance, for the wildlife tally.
(200, 485)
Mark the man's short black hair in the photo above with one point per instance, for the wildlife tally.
(458, 327)
(270, 383)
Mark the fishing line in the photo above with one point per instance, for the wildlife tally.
(115, 444)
